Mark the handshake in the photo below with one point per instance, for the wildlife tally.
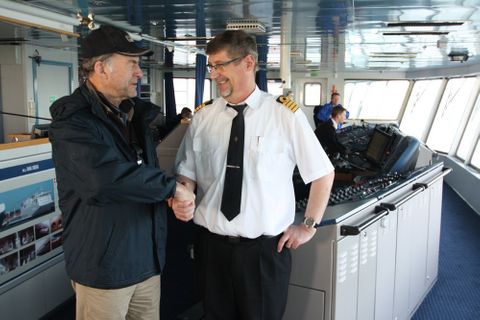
(183, 204)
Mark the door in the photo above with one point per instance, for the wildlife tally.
(51, 80)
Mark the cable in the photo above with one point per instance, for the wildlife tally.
(24, 116)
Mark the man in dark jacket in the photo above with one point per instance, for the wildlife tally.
(111, 191)
(326, 132)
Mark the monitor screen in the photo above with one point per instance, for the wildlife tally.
(377, 146)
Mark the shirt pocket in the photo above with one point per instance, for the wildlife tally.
(269, 158)
(208, 156)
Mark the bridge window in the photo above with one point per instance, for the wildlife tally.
(476, 157)
(313, 94)
(420, 105)
(185, 92)
(375, 100)
(275, 87)
(450, 112)
(470, 135)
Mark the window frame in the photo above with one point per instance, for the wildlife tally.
(463, 119)
(305, 93)
(187, 78)
(402, 108)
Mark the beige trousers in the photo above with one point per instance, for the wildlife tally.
(138, 302)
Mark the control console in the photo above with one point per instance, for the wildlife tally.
(363, 189)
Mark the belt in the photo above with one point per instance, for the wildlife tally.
(234, 239)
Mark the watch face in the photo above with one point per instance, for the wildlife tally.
(309, 222)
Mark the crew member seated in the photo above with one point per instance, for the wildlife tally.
(183, 117)
(326, 132)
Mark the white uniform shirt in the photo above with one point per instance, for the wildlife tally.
(335, 124)
(276, 139)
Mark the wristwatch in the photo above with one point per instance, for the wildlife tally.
(309, 222)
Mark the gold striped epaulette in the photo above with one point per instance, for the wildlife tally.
(289, 103)
(206, 103)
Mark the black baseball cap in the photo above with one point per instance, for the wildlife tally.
(108, 39)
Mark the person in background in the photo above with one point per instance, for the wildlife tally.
(322, 114)
(186, 115)
(111, 191)
(183, 117)
(242, 166)
(326, 132)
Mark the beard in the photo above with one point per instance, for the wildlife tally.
(226, 93)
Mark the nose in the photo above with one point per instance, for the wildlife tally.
(138, 72)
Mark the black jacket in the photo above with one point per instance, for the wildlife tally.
(327, 136)
(114, 209)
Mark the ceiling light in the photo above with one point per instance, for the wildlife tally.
(247, 25)
(424, 23)
(416, 33)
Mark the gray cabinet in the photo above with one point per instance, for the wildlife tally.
(379, 262)
(385, 276)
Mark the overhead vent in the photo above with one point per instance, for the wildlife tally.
(247, 25)
(416, 33)
(425, 23)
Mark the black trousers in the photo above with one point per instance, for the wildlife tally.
(243, 279)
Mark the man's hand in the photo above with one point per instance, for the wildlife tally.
(295, 236)
(183, 205)
(183, 210)
(182, 193)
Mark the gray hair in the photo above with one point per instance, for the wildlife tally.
(236, 43)
(88, 65)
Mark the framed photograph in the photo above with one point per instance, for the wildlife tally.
(25, 203)
(42, 229)
(26, 236)
(42, 246)
(8, 263)
(9, 243)
(28, 254)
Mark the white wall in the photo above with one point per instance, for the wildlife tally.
(17, 81)
(465, 181)
(50, 54)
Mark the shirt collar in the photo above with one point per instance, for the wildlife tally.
(335, 124)
(253, 100)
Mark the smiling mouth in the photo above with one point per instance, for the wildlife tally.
(222, 81)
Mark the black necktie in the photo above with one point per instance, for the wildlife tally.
(232, 189)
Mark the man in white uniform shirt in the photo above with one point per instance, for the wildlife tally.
(240, 152)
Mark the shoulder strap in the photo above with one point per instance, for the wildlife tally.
(201, 106)
(288, 103)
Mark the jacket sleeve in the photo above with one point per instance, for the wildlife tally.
(88, 164)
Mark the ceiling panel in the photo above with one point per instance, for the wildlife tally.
(324, 35)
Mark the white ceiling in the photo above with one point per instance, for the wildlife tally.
(323, 35)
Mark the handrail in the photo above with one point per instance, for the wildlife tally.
(445, 171)
(417, 188)
(347, 230)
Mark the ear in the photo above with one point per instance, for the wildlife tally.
(250, 62)
(100, 68)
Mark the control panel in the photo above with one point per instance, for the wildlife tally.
(355, 138)
(363, 189)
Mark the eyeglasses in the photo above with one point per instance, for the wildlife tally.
(221, 66)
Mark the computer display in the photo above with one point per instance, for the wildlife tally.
(377, 145)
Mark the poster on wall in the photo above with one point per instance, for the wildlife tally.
(31, 225)
(25, 203)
